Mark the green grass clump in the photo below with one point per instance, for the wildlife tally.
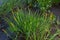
(7, 6)
(45, 4)
(10, 4)
(34, 26)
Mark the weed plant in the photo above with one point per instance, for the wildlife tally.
(34, 26)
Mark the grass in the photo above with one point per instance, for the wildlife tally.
(7, 6)
(45, 4)
(10, 4)
(34, 26)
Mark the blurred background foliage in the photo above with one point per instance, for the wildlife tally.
(56, 1)
(36, 5)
